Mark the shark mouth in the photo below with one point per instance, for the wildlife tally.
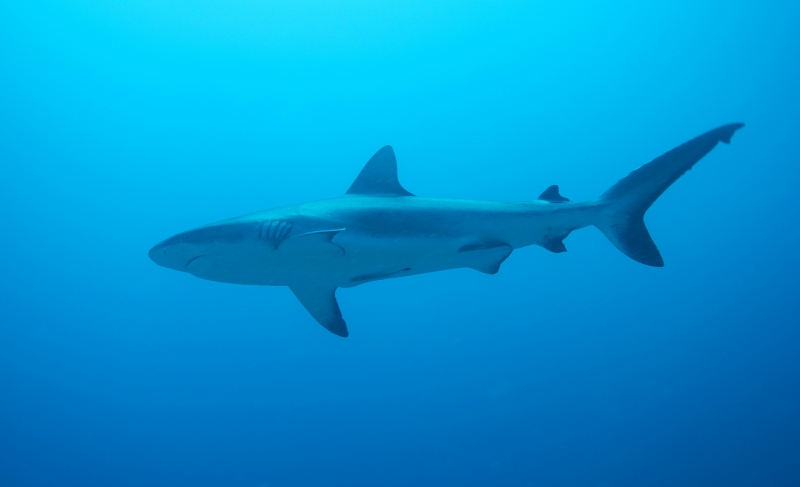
(193, 259)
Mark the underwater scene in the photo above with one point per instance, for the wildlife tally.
(371, 243)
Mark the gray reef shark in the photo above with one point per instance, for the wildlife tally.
(378, 230)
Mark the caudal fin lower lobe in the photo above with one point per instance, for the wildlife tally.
(626, 202)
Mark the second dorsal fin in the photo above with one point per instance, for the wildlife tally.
(552, 195)
(379, 176)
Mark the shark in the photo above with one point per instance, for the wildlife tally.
(378, 230)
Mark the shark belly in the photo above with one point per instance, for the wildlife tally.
(370, 258)
(242, 264)
(363, 258)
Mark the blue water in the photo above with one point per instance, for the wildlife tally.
(122, 123)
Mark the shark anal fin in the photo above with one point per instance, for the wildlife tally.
(555, 245)
(318, 244)
(552, 195)
(321, 303)
(486, 258)
(379, 176)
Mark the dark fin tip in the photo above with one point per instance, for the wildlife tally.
(655, 263)
(338, 329)
(727, 132)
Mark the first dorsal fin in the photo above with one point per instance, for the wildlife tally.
(379, 176)
(552, 195)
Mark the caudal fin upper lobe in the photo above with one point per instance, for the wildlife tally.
(626, 202)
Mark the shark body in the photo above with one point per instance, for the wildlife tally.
(378, 230)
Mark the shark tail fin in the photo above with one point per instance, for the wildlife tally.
(625, 203)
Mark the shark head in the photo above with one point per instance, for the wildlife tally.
(202, 249)
(248, 250)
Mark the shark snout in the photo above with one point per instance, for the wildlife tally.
(166, 255)
(175, 252)
(174, 256)
(181, 250)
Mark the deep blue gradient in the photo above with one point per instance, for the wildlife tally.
(122, 123)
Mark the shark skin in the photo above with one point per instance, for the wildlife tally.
(378, 230)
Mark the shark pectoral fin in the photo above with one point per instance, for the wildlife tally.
(313, 244)
(486, 259)
(321, 303)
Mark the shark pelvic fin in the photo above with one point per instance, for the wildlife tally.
(551, 195)
(321, 303)
(316, 244)
(379, 176)
(486, 258)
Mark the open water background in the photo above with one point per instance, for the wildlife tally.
(122, 123)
